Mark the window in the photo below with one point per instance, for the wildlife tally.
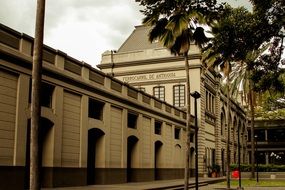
(222, 123)
(210, 102)
(207, 100)
(179, 95)
(95, 109)
(157, 127)
(213, 156)
(213, 104)
(276, 135)
(159, 92)
(248, 135)
(191, 137)
(132, 120)
(177, 133)
(46, 94)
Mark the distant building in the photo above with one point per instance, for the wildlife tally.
(270, 141)
(151, 68)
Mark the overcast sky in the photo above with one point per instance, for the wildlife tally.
(83, 29)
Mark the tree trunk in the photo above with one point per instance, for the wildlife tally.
(228, 132)
(252, 131)
(188, 130)
(35, 104)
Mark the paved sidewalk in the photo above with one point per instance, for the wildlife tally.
(204, 184)
(160, 184)
(220, 187)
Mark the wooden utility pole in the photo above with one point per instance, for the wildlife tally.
(35, 105)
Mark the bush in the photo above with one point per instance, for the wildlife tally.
(261, 168)
(216, 168)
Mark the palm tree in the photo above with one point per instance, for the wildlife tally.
(223, 50)
(237, 75)
(173, 24)
(176, 32)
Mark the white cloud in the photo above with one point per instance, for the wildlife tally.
(83, 29)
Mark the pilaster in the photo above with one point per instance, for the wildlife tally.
(22, 105)
(58, 110)
(83, 131)
(201, 130)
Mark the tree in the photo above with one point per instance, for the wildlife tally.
(229, 47)
(173, 23)
(222, 51)
(239, 34)
(271, 86)
(35, 104)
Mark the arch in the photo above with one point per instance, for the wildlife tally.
(229, 124)
(205, 160)
(95, 148)
(239, 139)
(243, 137)
(178, 163)
(235, 139)
(223, 118)
(192, 158)
(223, 161)
(44, 140)
(132, 157)
(157, 159)
(209, 157)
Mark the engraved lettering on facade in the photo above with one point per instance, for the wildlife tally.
(149, 77)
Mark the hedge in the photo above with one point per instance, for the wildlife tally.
(261, 168)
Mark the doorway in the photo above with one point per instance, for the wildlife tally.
(132, 157)
(94, 151)
(157, 159)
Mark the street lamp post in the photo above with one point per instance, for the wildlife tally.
(196, 96)
(256, 158)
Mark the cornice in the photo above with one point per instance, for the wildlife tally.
(144, 71)
(147, 61)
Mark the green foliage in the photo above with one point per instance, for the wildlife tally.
(268, 66)
(153, 9)
(174, 23)
(272, 11)
(216, 168)
(261, 168)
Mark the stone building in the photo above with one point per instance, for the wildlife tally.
(94, 129)
(151, 68)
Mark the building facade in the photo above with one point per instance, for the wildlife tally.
(151, 68)
(94, 129)
(270, 142)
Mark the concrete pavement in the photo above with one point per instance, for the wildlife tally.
(150, 185)
(177, 184)
(222, 187)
